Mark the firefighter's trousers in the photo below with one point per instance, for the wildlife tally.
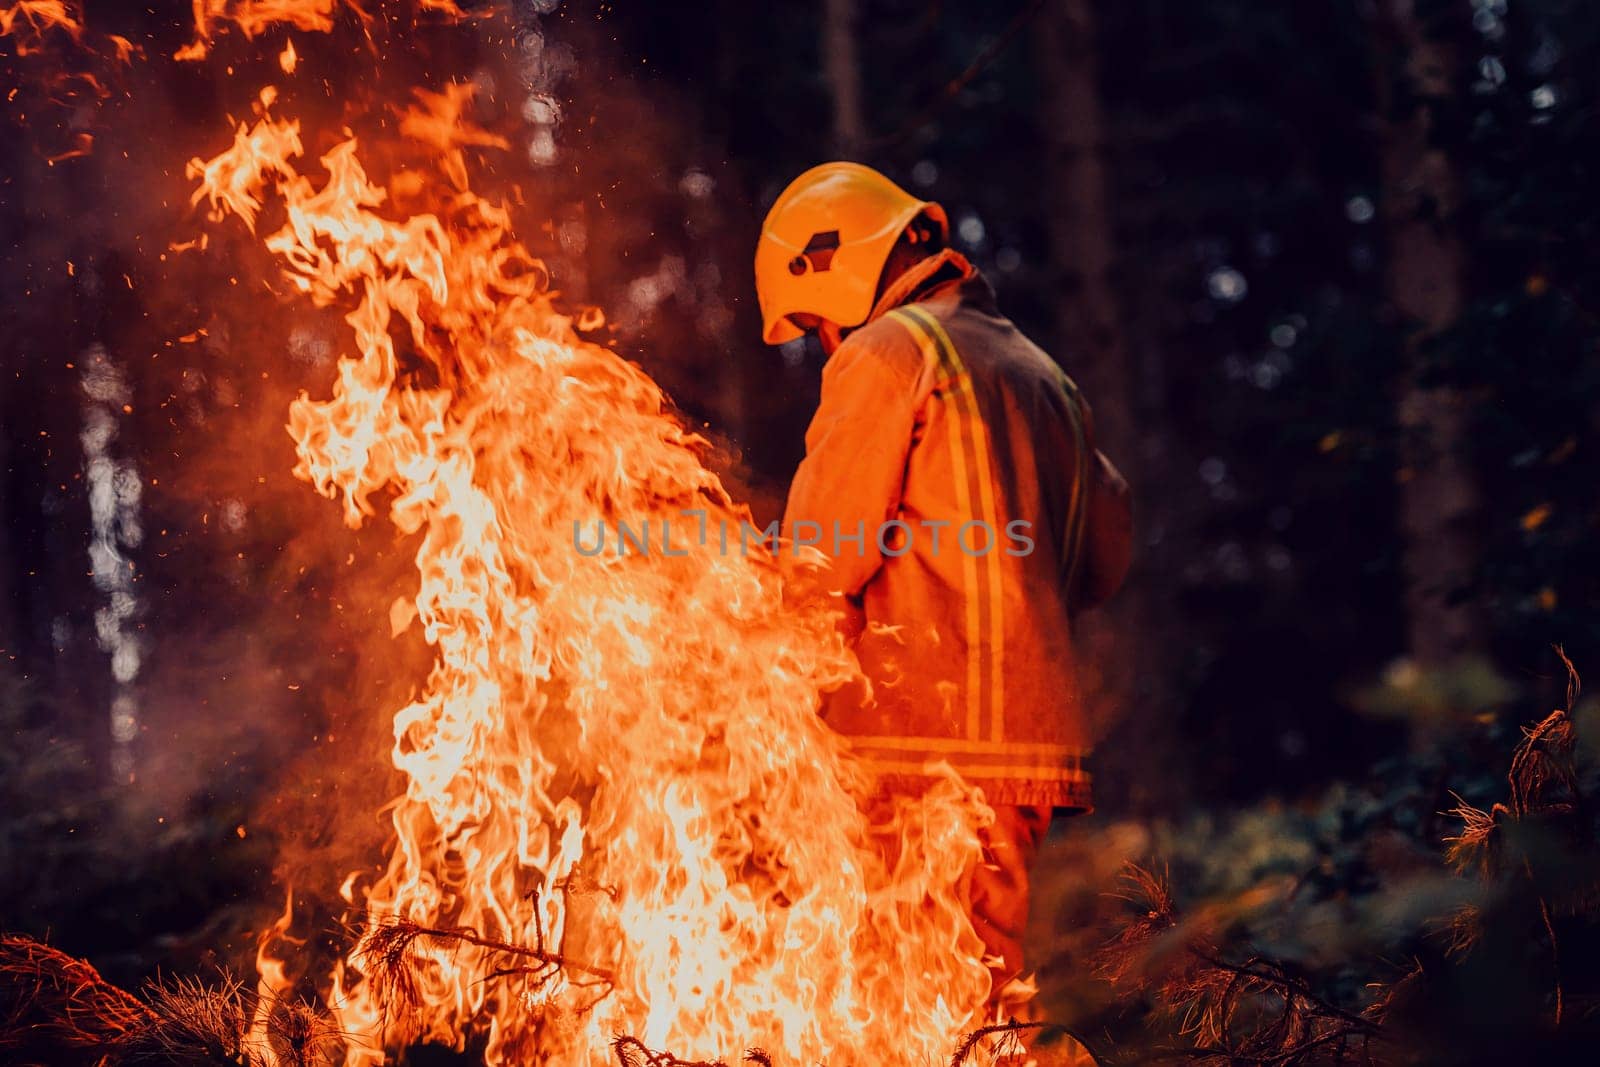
(997, 899)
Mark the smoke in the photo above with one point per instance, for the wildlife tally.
(216, 648)
(241, 631)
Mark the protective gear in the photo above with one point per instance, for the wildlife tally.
(824, 244)
(996, 896)
(935, 416)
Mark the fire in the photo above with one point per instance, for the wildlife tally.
(27, 21)
(255, 17)
(618, 755)
(71, 72)
(272, 983)
(622, 813)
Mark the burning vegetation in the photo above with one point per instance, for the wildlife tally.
(618, 831)
(620, 812)
(642, 725)
(1225, 980)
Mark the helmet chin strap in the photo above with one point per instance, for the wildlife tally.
(829, 334)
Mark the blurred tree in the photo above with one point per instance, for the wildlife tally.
(1426, 288)
(10, 617)
(1081, 225)
(52, 315)
(840, 63)
(1241, 156)
(1081, 274)
(1524, 351)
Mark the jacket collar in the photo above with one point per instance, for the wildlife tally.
(938, 271)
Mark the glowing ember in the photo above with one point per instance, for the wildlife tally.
(616, 762)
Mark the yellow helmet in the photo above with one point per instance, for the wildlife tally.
(824, 244)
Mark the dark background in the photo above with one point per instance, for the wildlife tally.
(1324, 270)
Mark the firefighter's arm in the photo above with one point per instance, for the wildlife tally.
(1108, 527)
(856, 449)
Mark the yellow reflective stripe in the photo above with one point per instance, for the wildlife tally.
(976, 749)
(1028, 772)
(952, 398)
(974, 483)
(996, 644)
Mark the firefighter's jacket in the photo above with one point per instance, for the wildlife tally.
(951, 475)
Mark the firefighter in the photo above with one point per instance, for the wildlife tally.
(951, 477)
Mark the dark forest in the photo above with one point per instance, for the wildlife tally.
(1324, 270)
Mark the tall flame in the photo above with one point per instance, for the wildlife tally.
(616, 756)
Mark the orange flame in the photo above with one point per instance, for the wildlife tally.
(272, 985)
(255, 17)
(617, 756)
(27, 21)
(68, 76)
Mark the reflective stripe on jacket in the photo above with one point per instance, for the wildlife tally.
(965, 455)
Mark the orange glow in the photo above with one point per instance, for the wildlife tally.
(53, 31)
(616, 757)
(272, 984)
(27, 21)
(287, 59)
(124, 49)
(82, 145)
(255, 17)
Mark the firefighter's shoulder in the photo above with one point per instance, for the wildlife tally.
(888, 345)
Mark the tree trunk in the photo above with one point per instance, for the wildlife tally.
(1425, 286)
(1092, 343)
(843, 71)
(10, 614)
(1082, 240)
